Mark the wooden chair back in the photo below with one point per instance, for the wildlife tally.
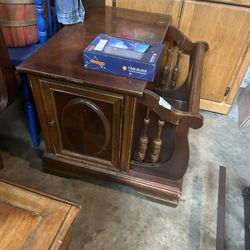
(46, 24)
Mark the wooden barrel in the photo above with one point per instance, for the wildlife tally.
(18, 22)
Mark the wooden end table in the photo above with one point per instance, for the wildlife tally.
(89, 119)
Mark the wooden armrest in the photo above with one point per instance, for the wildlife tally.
(189, 92)
(196, 51)
(167, 112)
(196, 65)
(176, 37)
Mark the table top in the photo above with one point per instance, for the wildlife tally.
(61, 57)
(33, 220)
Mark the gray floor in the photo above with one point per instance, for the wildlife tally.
(117, 217)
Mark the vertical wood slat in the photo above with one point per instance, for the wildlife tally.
(41, 23)
(166, 70)
(156, 150)
(143, 144)
(176, 70)
(128, 125)
(220, 235)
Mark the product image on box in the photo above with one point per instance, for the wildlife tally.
(120, 56)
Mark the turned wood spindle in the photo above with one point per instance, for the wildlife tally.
(157, 143)
(166, 70)
(143, 145)
(41, 23)
(176, 70)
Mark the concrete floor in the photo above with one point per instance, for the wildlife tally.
(116, 217)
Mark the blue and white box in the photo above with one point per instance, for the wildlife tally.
(124, 57)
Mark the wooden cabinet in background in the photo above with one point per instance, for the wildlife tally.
(225, 25)
(226, 29)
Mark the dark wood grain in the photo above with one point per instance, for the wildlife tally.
(158, 189)
(92, 121)
(83, 122)
(181, 114)
(61, 58)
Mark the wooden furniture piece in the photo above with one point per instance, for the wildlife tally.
(8, 81)
(46, 28)
(33, 220)
(224, 24)
(93, 123)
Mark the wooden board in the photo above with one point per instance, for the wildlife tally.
(33, 220)
(218, 107)
(12, 220)
(234, 2)
(169, 7)
(228, 40)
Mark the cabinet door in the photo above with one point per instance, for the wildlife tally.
(84, 124)
(167, 7)
(226, 29)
